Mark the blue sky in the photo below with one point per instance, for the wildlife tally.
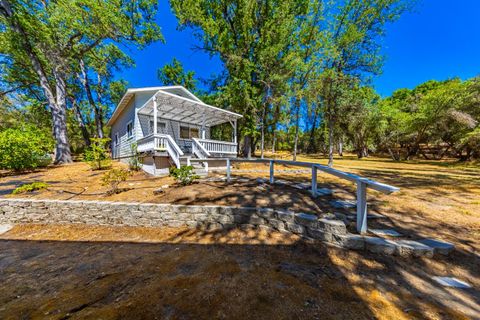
(440, 39)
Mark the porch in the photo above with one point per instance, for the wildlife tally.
(175, 127)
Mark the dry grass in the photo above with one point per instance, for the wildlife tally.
(109, 273)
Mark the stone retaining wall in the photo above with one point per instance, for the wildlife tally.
(158, 215)
(307, 226)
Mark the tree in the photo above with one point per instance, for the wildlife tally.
(352, 50)
(44, 42)
(174, 74)
(254, 41)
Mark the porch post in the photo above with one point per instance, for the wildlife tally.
(155, 114)
(235, 131)
(203, 126)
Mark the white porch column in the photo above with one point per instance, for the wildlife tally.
(155, 114)
(235, 131)
(203, 126)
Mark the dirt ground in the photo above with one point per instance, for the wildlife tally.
(437, 199)
(86, 272)
(93, 272)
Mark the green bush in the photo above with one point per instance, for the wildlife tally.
(113, 178)
(24, 149)
(34, 186)
(97, 155)
(185, 175)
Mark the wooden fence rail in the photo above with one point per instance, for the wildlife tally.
(362, 183)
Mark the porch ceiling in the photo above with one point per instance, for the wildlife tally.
(173, 107)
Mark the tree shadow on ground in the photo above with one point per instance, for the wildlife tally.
(194, 274)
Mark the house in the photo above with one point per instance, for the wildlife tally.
(169, 126)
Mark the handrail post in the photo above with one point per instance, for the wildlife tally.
(361, 207)
(228, 170)
(272, 169)
(314, 181)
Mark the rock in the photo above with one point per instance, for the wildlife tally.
(452, 282)
(324, 192)
(5, 228)
(349, 241)
(286, 216)
(379, 245)
(319, 235)
(261, 180)
(302, 186)
(332, 226)
(295, 228)
(438, 246)
(277, 225)
(413, 248)
(343, 204)
(385, 232)
(158, 191)
(165, 186)
(308, 220)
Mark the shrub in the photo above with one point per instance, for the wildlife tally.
(24, 148)
(134, 163)
(97, 155)
(113, 178)
(185, 175)
(34, 186)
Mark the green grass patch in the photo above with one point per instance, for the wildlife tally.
(34, 186)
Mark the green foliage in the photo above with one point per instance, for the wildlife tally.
(134, 162)
(24, 148)
(113, 178)
(34, 186)
(174, 74)
(44, 43)
(97, 155)
(185, 175)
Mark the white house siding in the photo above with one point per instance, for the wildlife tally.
(123, 149)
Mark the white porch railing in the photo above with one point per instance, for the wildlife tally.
(161, 142)
(217, 147)
(361, 182)
(199, 150)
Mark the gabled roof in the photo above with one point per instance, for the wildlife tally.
(176, 90)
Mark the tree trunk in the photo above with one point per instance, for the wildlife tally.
(81, 123)
(247, 147)
(262, 144)
(274, 139)
(311, 143)
(96, 108)
(59, 120)
(340, 147)
(330, 141)
(297, 124)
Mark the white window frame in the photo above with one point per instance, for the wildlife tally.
(130, 134)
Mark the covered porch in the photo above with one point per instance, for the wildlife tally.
(182, 127)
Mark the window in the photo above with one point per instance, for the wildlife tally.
(194, 133)
(188, 133)
(161, 127)
(130, 129)
(116, 141)
(184, 132)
